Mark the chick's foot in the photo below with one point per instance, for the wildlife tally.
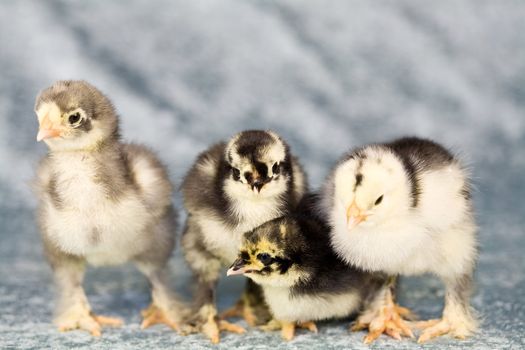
(288, 328)
(80, 317)
(213, 327)
(459, 328)
(155, 315)
(388, 319)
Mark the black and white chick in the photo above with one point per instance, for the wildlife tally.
(302, 278)
(100, 202)
(405, 208)
(232, 188)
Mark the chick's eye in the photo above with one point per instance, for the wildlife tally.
(379, 200)
(74, 118)
(276, 168)
(265, 258)
(236, 174)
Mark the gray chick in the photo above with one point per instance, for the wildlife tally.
(101, 202)
(231, 189)
(405, 208)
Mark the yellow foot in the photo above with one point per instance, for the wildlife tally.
(389, 320)
(240, 309)
(212, 328)
(154, 315)
(82, 318)
(435, 328)
(308, 325)
(288, 328)
(272, 325)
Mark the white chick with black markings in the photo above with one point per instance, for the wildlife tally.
(405, 208)
(101, 202)
(232, 188)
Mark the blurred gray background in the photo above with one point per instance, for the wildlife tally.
(327, 75)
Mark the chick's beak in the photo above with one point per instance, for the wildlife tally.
(258, 185)
(354, 216)
(238, 268)
(47, 130)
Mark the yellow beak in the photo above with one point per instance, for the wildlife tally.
(354, 216)
(47, 130)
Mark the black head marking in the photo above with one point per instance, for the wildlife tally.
(248, 176)
(411, 172)
(236, 173)
(276, 169)
(249, 143)
(85, 125)
(358, 180)
(283, 264)
(245, 256)
(261, 168)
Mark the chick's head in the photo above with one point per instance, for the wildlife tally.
(259, 165)
(74, 115)
(371, 188)
(270, 254)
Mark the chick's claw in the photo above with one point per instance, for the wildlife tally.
(404, 312)
(388, 321)
(288, 328)
(107, 321)
(272, 325)
(87, 321)
(458, 328)
(434, 329)
(231, 327)
(212, 328)
(311, 326)
(154, 315)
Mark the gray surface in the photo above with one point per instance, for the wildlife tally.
(326, 75)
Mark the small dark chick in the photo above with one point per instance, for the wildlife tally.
(302, 278)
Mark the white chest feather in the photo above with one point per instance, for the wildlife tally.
(225, 241)
(89, 224)
(304, 308)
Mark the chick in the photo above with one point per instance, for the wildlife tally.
(232, 188)
(100, 202)
(405, 208)
(302, 278)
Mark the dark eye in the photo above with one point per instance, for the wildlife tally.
(74, 118)
(265, 258)
(236, 174)
(379, 200)
(275, 169)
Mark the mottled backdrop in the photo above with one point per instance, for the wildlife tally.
(327, 75)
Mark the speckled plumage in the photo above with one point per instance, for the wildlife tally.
(101, 201)
(223, 199)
